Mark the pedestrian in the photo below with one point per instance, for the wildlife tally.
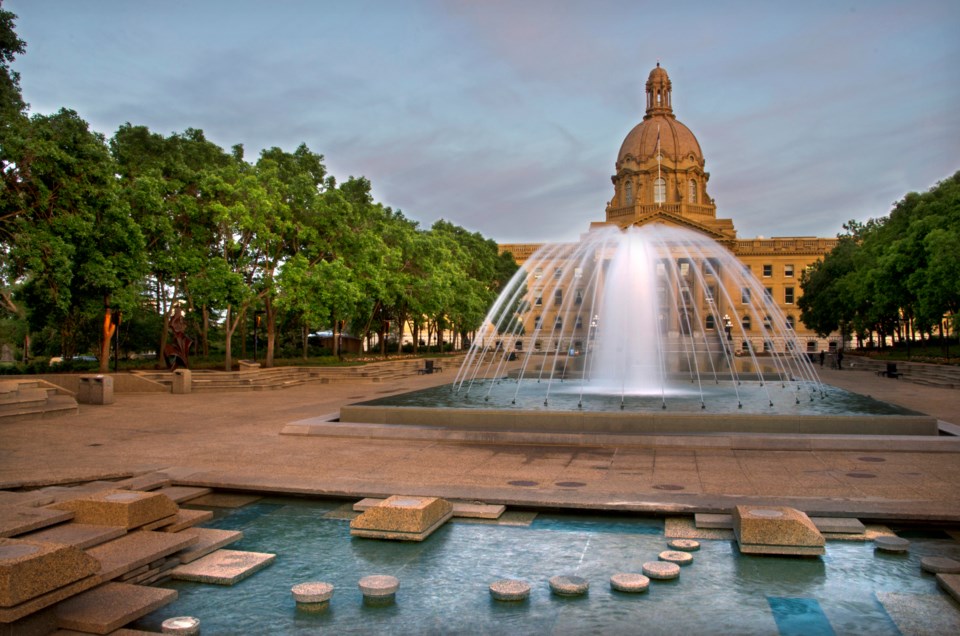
(839, 359)
(823, 357)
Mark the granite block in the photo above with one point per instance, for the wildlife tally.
(223, 567)
(79, 535)
(159, 523)
(19, 520)
(208, 540)
(187, 519)
(149, 481)
(111, 606)
(713, 521)
(402, 518)
(30, 499)
(776, 530)
(838, 525)
(125, 508)
(32, 568)
(10, 614)
(135, 549)
(181, 494)
(40, 623)
(461, 509)
(950, 583)
(224, 500)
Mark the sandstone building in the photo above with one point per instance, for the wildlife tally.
(660, 178)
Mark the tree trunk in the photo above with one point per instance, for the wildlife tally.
(271, 330)
(305, 339)
(206, 333)
(229, 328)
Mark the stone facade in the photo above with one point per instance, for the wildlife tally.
(660, 178)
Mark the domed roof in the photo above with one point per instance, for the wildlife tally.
(676, 140)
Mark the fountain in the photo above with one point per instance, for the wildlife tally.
(643, 329)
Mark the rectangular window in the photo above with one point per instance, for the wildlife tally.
(745, 296)
(788, 295)
(709, 293)
(711, 266)
(557, 273)
(788, 271)
(558, 297)
(768, 293)
(538, 297)
(578, 299)
(767, 270)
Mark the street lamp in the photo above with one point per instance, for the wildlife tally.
(727, 325)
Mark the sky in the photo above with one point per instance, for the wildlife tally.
(506, 117)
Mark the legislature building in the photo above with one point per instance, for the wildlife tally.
(660, 178)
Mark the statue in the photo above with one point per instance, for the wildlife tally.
(179, 349)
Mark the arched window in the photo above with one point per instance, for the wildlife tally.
(692, 194)
(746, 322)
(710, 323)
(628, 193)
(660, 191)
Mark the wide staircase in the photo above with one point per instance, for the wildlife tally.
(33, 399)
(258, 379)
(939, 375)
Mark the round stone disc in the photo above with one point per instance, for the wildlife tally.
(569, 585)
(629, 582)
(379, 585)
(687, 545)
(312, 592)
(510, 590)
(675, 556)
(661, 570)
(181, 625)
(940, 565)
(891, 544)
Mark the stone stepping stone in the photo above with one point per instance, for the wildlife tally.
(225, 500)
(136, 549)
(940, 565)
(208, 540)
(184, 625)
(891, 544)
(629, 582)
(566, 585)
(80, 535)
(951, 584)
(714, 521)
(379, 588)
(676, 556)
(187, 518)
(687, 545)
(312, 593)
(181, 494)
(510, 590)
(661, 570)
(839, 525)
(16, 520)
(110, 607)
(223, 567)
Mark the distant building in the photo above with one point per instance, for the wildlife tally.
(672, 188)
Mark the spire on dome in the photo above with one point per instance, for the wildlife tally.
(659, 93)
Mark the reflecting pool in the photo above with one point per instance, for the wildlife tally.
(444, 580)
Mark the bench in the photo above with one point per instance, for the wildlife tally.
(890, 371)
(429, 367)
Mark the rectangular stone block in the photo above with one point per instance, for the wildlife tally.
(208, 540)
(31, 568)
(136, 549)
(79, 535)
(839, 525)
(34, 605)
(776, 530)
(182, 494)
(950, 583)
(111, 606)
(709, 520)
(405, 518)
(225, 500)
(223, 567)
(95, 389)
(461, 509)
(125, 508)
(14, 520)
(187, 519)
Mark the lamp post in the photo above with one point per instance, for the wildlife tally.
(727, 325)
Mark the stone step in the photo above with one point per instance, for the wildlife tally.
(111, 606)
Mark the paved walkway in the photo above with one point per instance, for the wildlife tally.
(232, 440)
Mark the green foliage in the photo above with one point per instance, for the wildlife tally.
(895, 275)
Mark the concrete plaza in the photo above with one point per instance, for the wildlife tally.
(233, 440)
